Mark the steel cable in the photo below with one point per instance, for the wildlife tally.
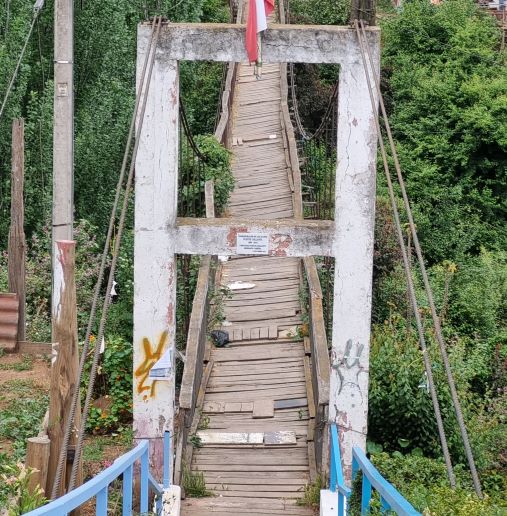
(116, 250)
(329, 109)
(105, 253)
(427, 286)
(406, 264)
(36, 10)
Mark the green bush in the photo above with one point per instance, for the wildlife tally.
(400, 410)
(217, 167)
(445, 83)
(114, 381)
(424, 483)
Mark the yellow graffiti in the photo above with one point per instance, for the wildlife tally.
(150, 357)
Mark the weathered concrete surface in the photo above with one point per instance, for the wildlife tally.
(171, 501)
(281, 43)
(286, 237)
(154, 262)
(349, 239)
(353, 251)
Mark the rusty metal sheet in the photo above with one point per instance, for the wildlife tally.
(9, 316)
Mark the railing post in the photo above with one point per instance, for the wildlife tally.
(167, 460)
(101, 503)
(355, 467)
(341, 504)
(144, 482)
(384, 506)
(365, 495)
(127, 491)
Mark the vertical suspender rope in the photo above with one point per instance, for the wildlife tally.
(427, 287)
(410, 283)
(150, 58)
(116, 250)
(36, 10)
(75, 396)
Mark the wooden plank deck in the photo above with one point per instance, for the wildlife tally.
(257, 384)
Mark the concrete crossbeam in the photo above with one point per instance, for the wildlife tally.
(281, 43)
(285, 237)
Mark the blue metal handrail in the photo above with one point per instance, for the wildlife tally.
(98, 486)
(390, 498)
(336, 482)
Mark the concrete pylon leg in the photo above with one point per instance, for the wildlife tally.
(155, 263)
(354, 216)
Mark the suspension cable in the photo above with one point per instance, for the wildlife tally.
(116, 251)
(107, 297)
(91, 320)
(429, 293)
(406, 265)
(188, 132)
(36, 10)
(329, 109)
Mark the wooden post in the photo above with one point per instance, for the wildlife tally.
(209, 192)
(65, 363)
(17, 244)
(37, 457)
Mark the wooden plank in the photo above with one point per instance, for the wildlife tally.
(250, 458)
(311, 461)
(280, 438)
(197, 413)
(213, 407)
(208, 437)
(306, 342)
(291, 403)
(34, 348)
(309, 387)
(249, 467)
(263, 409)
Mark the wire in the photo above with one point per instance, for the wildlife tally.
(427, 286)
(116, 252)
(36, 10)
(406, 264)
(91, 320)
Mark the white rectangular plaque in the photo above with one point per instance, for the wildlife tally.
(252, 243)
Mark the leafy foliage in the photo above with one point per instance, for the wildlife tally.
(424, 483)
(115, 383)
(446, 88)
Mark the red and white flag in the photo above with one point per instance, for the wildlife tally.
(258, 12)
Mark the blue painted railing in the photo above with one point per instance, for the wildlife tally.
(390, 498)
(98, 486)
(336, 482)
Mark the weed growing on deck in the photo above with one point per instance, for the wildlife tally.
(194, 484)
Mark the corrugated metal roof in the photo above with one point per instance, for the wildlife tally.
(9, 315)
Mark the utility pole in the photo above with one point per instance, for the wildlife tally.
(63, 126)
(64, 322)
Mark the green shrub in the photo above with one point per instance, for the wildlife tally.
(217, 166)
(424, 483)
(114, 381)
(400, 408)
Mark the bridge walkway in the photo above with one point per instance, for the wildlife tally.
(256, 393)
